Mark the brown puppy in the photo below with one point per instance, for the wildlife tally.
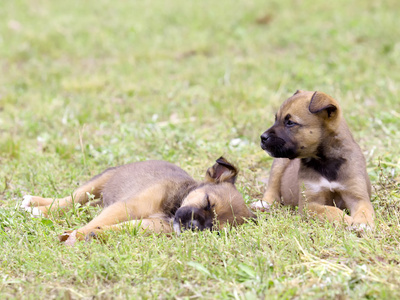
(316, 155)
(154, 195)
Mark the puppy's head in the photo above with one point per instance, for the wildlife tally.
(214, 203)
(301, 124)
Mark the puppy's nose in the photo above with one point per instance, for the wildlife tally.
(193, 225)
(264, 137)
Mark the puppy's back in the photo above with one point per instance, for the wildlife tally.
(132, 179)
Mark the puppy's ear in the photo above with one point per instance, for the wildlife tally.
(222, 171)
(321, 102)
(298, 92)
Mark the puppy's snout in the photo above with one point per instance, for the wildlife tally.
(264, 137)
(193, 225)
(191, 218)
(277, 144)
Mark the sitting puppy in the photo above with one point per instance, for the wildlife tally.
(154, 195)
(317, 156)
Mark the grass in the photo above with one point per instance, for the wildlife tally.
(88, 85)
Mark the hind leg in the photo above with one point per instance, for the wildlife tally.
(43, 206)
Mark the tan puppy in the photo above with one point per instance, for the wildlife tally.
(154, 195)
(317, 156)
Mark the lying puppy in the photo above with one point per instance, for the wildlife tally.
(154, 195)
(316, 155)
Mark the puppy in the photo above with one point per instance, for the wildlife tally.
(156, 196)
(317, 164)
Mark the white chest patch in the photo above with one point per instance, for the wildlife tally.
(323, 184)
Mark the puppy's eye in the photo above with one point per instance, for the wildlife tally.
(208, 206)
(290, 123)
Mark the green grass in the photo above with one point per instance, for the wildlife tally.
(85, 85)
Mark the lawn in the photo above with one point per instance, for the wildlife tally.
(85, 85)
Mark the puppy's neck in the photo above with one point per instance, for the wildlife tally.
(327, 162)
(177, 194)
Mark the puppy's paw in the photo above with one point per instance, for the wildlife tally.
(26, 205)
(26, 202)
(360, 229)
(261, 206)
(35, 211)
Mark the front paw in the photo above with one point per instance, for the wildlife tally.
(360, 229)
(261, 206)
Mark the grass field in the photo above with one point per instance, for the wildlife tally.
(85, 85)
